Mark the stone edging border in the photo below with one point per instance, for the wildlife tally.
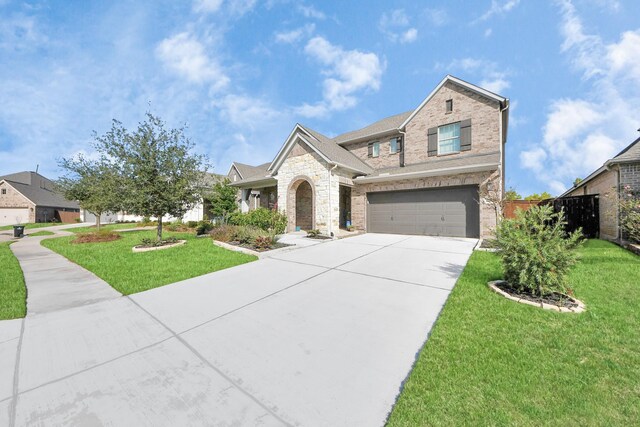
(247, 251)
(157, 248)
(579, 309)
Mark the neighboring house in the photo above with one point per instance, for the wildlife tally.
(607, 182)
(421, 172)
(199, 212)
(30, 197)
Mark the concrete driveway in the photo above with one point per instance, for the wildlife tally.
(318, 336)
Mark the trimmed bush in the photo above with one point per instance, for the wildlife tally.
(630, 214)
(265, 219)
(536, 252)
(244, 235)
(223, 233)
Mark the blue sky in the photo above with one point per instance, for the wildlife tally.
(241, 73)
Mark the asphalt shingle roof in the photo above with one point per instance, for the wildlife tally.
(336, 153)
(39, 189)
(387, 124)
(629, 154)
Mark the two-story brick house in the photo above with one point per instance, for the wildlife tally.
(427, 171)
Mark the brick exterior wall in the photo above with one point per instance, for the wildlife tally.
(487, 212)
(630, 175)
(385, 160)
(604, 185)
(14, 199)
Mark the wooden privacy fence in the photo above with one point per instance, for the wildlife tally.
(510, 206)
(579, 211)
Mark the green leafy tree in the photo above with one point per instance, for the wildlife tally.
(577, 181)
(159, 173)
(93, 183)
(223, 200)
(512, 194)
(543, 196)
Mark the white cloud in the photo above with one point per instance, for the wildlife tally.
(347, 72)
(394, 25)
(186, 56)
(437, 17)
(499, 8)
(309, 11)
(240, 7)
(488, 32)
(581, 133)
(207, 6)
(20, 32)
(492, 77)
(246, 111)
(295, 35)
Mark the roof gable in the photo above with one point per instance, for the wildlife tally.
(459, 82)
(38, 189)
(631, 153)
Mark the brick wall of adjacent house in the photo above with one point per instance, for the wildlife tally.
(14, 199)
(605, 186)
(630, 175)
(481, 179)
(485, 123)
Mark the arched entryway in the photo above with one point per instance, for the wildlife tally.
(301, 204)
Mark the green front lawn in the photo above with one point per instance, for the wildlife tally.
(490, 361)
(13, 294)
(112, 226)
(41, 233)
(34, 225)
(130, 272)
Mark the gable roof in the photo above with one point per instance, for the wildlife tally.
(326, 148)
(388, 124)
(248, 171)
(39, 189)
(630, 154)
(459, 82)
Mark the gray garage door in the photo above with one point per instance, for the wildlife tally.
(451, 211)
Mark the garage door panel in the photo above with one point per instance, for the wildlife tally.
(449, 211)
(12, 216)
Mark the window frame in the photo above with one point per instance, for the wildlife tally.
(4, 191)
(448, 106)
(375, 149)
(393, 141)
(449, 139)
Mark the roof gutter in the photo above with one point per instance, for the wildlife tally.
(424, 174)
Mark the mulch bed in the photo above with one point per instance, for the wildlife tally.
(96, 237)
(253, 248)
(556, 299)
(319, 237)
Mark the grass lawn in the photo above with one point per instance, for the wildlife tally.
(41, 233)
(130, 272)
(13, 294)
(35, 225)
(490, 361)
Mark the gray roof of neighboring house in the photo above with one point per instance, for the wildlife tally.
(385, 125)
(336, 153)
(39, 189)
(630, 154)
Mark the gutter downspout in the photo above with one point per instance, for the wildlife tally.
(502, 144)
(330, 223)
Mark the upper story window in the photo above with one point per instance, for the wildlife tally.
(374, 149)
(448, 105)
(449, 138)
(4, 191)
(235, 177)
(394, 145)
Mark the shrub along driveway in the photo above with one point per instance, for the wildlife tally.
(322, 335)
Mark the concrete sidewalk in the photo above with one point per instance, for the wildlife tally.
(319, 336)
(53, 282)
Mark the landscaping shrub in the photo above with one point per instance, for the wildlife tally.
(154, 243)
(536, 252)
(202, 227)
(630, 214)
(223, 233)
(263, 242)
(313, 233)
(96, 237)
(263, 218)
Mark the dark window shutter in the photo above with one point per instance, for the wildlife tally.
(370, 148)
(432, 136)
(400, 144)
(401, 150)
(465, 135)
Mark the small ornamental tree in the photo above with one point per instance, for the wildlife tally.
(512, 194)
(536, 252)
(93, 183)
(223, 200)
(160, 174)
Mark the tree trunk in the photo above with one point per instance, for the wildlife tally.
(98, 215)
(159, 233)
